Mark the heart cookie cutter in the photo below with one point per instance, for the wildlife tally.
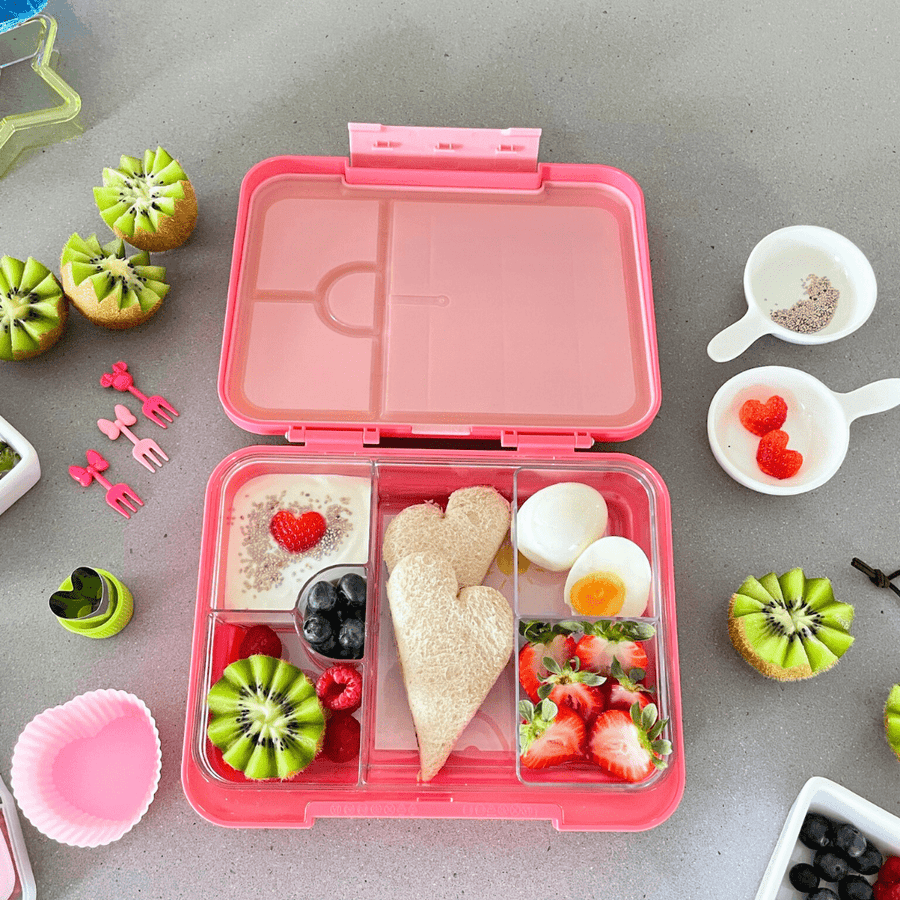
(92, 602)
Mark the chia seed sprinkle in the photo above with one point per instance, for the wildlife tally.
(813, 313)
(263, 561)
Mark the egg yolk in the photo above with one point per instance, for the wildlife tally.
(598, 594)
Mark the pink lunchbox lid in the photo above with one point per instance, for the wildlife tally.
(440, 283)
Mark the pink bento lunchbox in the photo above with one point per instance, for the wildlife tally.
(437, 312)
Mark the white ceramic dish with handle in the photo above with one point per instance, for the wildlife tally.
(24, 474)
(819, 795)
(773, 275)
(818, 424)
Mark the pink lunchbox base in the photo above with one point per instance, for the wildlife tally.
(458, 292)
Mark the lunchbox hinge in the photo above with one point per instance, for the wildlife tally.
(342, 440)
(466, 149)
(554, 445)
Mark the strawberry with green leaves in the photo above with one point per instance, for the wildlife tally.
(605, 641)
(549, 735)
(628, 744)
(623, 689)
(543, 641)
(567, 685)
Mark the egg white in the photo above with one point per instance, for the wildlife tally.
(622, 559)
(557, 523)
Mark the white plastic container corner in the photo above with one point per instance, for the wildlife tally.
(836, 802)
(24, 474)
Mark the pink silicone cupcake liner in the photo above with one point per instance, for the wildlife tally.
(84, 773)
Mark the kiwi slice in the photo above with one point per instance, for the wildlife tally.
(892, 719)
(33, 308)
(789, 627)
(109, 287)
(148, 202)
(266, 718)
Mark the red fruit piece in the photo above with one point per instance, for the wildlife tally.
(605, 641)
(544, 642)
(550, 734)
(627, 745)
(568, 686)
(761, 418)
(622, 690)
(341, 742)
(889, 873)
(260, 639)
(773, 457)
(297, 533)
(340, 688)
(884, 890)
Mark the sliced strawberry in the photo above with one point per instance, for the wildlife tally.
(550, 734)
(627, 745)
(774, 458)
(297, 534)
(567, 685)
(883, 890)
(889, 873)
(544, 641)
(622, 690)
(606, 641)
(260, 639)
(761, 418)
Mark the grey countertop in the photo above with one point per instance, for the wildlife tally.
(735, 119)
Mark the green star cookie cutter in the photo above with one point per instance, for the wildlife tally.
(34, 40)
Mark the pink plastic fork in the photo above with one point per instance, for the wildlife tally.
(119, 496)
(145, 450)
(155, 408)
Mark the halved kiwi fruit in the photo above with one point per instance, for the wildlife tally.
(148, 202)
(789, 627)
(266, 718)
(33, 308)
(109, 287)
(892, 719)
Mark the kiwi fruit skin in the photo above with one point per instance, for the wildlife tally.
(149, 202)
(789, 627)
(265, 718)
(33, 308)
(892, 719)
(132, 288)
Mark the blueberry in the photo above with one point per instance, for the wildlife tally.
(317, 629)
(353, 589)
(816, 831)
(849, 840)
(322, 597)
(352, 638)
(869, 862)
(829, 866)
(855, 887)
(803, 877)
(823, 894)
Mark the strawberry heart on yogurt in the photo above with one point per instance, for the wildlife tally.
(761, 418)
(297, 534)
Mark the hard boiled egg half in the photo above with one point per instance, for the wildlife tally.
(610, 578)
(557, 523)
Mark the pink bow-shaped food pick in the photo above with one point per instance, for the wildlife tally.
(146, 451)
(119, 496)
(155, 408)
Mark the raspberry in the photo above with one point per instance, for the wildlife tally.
(260, 639)
(341, 742)
(761, 418)
(340, 688)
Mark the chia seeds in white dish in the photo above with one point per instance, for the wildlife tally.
(815, 311)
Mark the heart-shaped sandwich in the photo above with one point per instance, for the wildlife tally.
(469, 533)
(453, 645)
